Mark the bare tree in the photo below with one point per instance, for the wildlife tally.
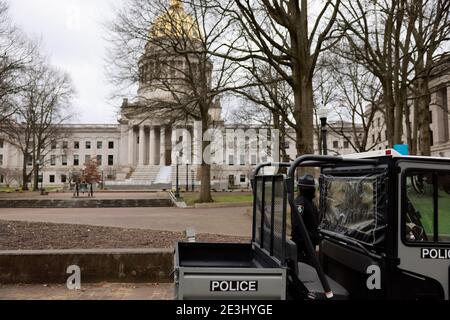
(398, 41)
(269, 102)
(431, 30)
(37, 123)
(285, 35)
(176, 53)
(16, 54)
(374, 35)
(11, 176)
(354, 94)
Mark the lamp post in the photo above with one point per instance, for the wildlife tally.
(177, 190)
(38, 164)
(192, 180)
(323, 116)
(103, 180)
(187, 177)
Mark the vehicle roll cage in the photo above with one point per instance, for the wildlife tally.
(313, 162)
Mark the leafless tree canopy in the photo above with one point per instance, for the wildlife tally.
(42, 107)
(16, 54)
(176, 53)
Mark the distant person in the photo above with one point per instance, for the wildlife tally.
(310, 214)
(91, 191)
(77, 190)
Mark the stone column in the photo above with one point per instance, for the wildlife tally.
(197, 144)
(153, 147)
(175, 151)
(162, 147)
(141, 145)
(131, 142)
(187, 146)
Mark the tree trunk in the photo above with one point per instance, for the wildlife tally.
(390, 112)
(304, 117)
(423, 104)
(205, 187)
(24, 174)
(409, 129)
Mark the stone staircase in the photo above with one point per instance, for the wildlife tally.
(156, 178)
(145, 174)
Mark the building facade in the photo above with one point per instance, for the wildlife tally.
(439, 114)
(147, 150)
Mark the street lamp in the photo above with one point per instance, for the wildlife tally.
(177, 190)
(103, 180)
(38, 165)
(193, 180)
(187, 177)
(322, 113)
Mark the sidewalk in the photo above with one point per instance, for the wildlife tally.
(104, 291)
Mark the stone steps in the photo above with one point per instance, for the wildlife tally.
(86, 203)
(148, 173)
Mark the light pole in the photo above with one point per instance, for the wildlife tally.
(187, 177)
(323, 116)
(177, 190)
(192, 180)
(103, 180)
(38, 164)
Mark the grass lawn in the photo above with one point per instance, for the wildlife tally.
(424, 205)
(191, 198)
(8, 190)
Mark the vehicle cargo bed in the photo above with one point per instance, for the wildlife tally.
(227, 271)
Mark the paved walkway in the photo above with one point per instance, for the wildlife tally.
(223, 221)
(106, 291)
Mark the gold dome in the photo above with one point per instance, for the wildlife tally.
(175, 22)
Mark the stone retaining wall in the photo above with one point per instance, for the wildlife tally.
(85, 203)
(118, 266)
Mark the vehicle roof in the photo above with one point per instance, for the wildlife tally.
(389, 153)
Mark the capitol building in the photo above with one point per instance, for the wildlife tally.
(146, 150)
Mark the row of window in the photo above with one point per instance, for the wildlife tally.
(87, 145)
(76, 160)
(243, 161)
(232, 179)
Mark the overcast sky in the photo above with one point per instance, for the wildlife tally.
(72, 34)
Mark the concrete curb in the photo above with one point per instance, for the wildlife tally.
(120, 266)
(223, 205)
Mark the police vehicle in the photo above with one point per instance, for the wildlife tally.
(385, 234)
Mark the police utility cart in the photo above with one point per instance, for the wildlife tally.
(385, 234)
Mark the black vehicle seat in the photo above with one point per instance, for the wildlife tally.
(308, 276)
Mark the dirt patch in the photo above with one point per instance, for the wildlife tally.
(48, 236)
